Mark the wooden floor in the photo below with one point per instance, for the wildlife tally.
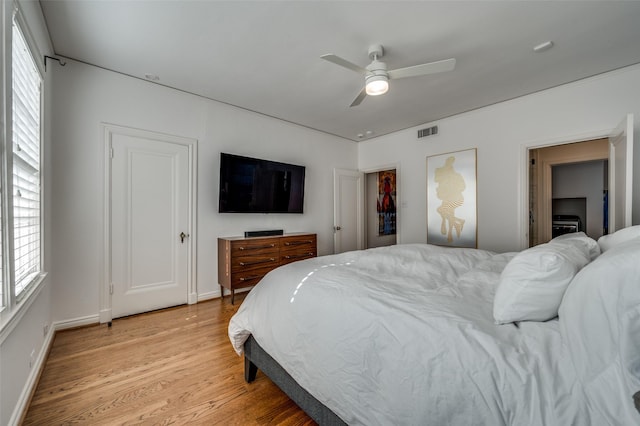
(169, 367)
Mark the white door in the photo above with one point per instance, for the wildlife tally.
(149, 223)
(621, 175)
(348, 213)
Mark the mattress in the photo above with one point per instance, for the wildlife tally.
(405, 335)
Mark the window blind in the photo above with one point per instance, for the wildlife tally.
(26, 163)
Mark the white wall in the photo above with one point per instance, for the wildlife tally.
(86, 96)
(571, 112)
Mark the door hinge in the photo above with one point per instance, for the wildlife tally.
(111, 152)
(111, 288)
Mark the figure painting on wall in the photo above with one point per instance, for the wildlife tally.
(451, 199)
(450, 187)
(386, 203)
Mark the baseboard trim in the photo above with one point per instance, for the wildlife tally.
(207, 296)
(76, 322)
(22, 404)
(29, 388)
(216, 294)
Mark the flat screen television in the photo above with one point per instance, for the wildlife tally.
(251, 185)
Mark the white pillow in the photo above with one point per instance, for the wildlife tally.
(625, 234)
(600, 325)
(579, 238)
(533, 282)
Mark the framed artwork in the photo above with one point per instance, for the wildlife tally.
(451, 199)
(386, 202)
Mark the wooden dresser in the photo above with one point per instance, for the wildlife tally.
(242, 262)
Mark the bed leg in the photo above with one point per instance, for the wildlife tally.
(250, 370)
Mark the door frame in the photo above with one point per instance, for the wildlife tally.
(390, 166)
(337, 200)
(107, 131)
(625, 129)
(523, 187)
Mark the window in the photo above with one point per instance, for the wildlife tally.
(25, 182)
(21, 95)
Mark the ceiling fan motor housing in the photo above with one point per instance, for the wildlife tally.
(377, 68)
(377, 78)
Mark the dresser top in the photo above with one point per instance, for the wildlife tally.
(293, 234)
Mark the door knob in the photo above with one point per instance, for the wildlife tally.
(182, 237)
(338, 228)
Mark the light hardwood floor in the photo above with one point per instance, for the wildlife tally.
(174, 366)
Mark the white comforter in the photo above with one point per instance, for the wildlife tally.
(405, 335)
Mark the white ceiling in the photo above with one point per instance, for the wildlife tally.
(264, 56)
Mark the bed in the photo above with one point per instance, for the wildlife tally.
(421, 334)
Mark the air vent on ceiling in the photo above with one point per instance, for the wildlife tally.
(423, 133)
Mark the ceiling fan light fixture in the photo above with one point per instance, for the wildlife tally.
(377, 75)
(377, 85)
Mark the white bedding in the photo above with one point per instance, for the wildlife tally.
(405, 335)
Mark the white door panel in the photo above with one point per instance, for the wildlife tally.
(348, 210)
(149, 211)
(621, 175)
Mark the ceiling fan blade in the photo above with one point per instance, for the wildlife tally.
(359, 98)
(424, 69)
(343, 63)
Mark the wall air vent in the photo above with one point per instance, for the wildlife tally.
(423, 133)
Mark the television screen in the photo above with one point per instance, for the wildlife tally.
(251, 185)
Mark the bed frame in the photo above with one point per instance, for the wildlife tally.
(256, 358)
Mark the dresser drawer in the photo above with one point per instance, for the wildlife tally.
(298, 243)
(249, 277)
(296, 255)
(297, 247)
(251, 247)
(254, 261)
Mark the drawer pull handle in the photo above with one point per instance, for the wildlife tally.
(257, 262)
(257, 247)
(253, 277)
(296, 256)
(297, 243)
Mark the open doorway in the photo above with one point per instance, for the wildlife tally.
(381, 208)
(568, 188)
(580, 193)
(614, 148)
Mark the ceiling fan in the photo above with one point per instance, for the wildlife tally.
(376, 75)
